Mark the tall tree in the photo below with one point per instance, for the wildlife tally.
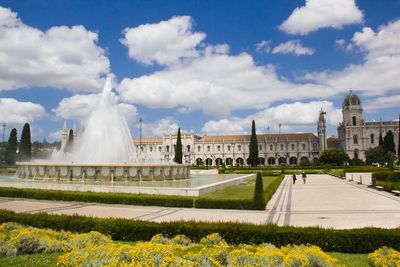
(70, 143)
(253, 155)
(375, 155)
(25, 146)
(178, 148)
(258, 198)
(380, 139)
(11, 151)
(388, 142)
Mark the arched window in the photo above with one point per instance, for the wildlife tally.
(354, 120)
(208, 149)
(304, 146)
(271, 147)
(188, 148)
(239, 148)
(198, 148)
(260, 148)
(356, 153)
(159, 149)
(229, 148)
(355, 139)
(372, 138)
(218, 148)
(151, 149)
(292, 146)
(167, 149)
(281, 147)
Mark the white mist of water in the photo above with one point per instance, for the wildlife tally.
(106, 137)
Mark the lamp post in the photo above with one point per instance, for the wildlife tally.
(140, 136)
(4, 128)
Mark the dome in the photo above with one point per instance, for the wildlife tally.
(351, 100)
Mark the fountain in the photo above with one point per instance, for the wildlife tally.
(105, 152)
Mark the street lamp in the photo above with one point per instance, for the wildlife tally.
(140, 136)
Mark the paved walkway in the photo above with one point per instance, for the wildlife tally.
(324, 201)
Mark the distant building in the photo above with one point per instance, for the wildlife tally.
(355, 135)
(65, 132)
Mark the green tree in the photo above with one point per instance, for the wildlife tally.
(11, 151)
(178, 148)
(253, 155)
(333, 156)
(375, 155)
(380, 139)
(70, 143)
(388, 143)
(391, 159)
(259, 199)
(25, 146)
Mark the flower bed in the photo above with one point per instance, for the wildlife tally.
(384, 257)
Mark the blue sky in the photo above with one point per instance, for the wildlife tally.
(206, 66)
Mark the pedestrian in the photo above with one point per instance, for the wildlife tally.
(304, 176)
(294, 178)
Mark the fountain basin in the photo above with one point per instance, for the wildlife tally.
(101, 171)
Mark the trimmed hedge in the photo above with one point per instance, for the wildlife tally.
(108, 198)
(349, 241)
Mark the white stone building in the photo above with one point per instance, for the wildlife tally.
(356, 135)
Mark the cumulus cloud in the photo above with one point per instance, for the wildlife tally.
(380, 71)
(317, 14)
(383, 102)
(216, 84)
(61, 57)
(79, 107)
(164, 43)
(13, 111)
(158, 128)
(263, 46)
(292, 117)
(293, 47)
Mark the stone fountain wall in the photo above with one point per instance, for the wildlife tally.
(102, 172)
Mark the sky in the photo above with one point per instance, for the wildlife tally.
(209, 67)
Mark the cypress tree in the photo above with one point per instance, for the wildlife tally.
(253, 155)
(259, 199)
(388, 143)
(380, 139)
(25, 145)
(11, 150)
(178, 148)
(70, 143)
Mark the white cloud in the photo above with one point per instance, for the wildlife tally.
(79, 107)
(217, 84)
(61, 57)
(263, 46)
(296, 116)
(158, 128)
(13, 111)
(383, 102)
(293, 47)
(165, 42)
(380, 71)
(317, 14)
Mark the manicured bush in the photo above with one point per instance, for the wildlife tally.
(109, 198)
(236, 204)
(350, 241)
(259, 199)
(384, 257)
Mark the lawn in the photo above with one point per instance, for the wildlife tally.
(42, 260)
(240, 192)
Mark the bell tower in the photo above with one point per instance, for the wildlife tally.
(352, 110)
(322, 131)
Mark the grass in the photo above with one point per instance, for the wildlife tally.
(44, 260)
(32, 260)
(240, 191)
(7, 169)
(351, 260)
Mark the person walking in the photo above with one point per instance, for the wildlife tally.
(294, 178)
(304, 176)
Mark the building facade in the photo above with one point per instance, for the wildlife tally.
(356, 135)
(214, 150)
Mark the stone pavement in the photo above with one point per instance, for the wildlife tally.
(324, 200)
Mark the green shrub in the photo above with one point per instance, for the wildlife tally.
(236, 204)
(109, 198)
(349, 241)
(259, 199)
